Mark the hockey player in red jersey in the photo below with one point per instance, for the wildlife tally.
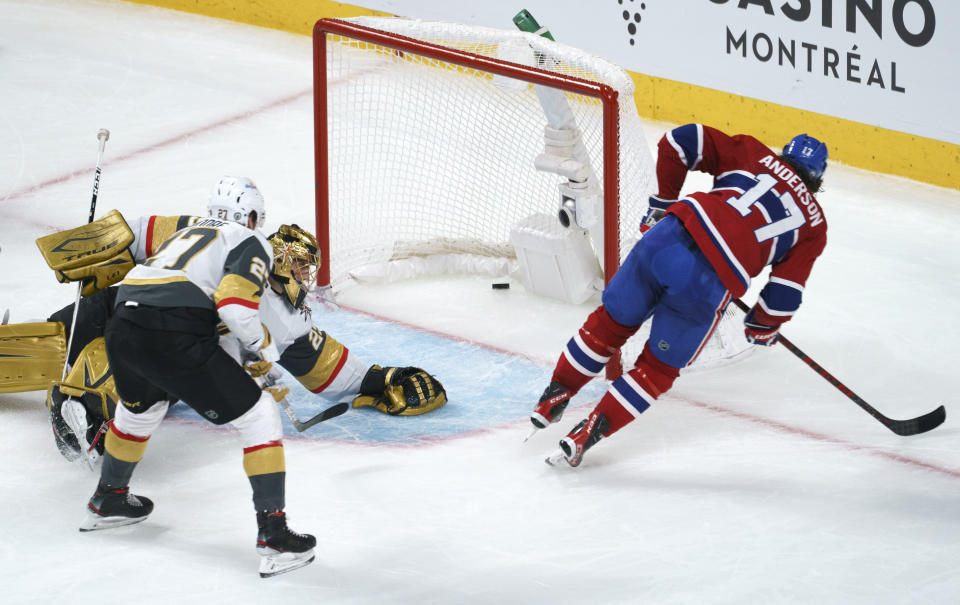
(697, 253)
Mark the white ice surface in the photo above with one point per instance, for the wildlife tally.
(754, 483)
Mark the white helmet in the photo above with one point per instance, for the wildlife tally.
(233, 198)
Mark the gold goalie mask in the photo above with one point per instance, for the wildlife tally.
(296, 259)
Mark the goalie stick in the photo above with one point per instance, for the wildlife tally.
(912, 426)
(103, 135)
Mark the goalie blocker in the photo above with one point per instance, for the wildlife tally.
(97, 254)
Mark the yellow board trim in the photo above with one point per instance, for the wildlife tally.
(296, 16)
(852, 143)
(265, 461)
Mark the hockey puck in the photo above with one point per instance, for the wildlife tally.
(500, 286)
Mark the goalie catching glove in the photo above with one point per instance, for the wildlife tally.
(400, 391)
(96, 254)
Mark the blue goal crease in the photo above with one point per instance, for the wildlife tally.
(485, 388)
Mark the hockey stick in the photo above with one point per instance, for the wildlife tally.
(102, 136)
(331, 412)
(913, 426)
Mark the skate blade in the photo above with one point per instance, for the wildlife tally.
(89, 459)
(533, 431)
(96, 522)
(555, 458)
(276, 564)
(75, 415)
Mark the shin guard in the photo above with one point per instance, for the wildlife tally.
(635, 391)
(263, 458)
(588, 352)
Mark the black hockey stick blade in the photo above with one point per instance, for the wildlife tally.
(331, 412)
(904, 428)
(915, 426)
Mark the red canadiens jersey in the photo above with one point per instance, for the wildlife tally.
(758, 213)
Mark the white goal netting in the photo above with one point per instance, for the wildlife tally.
(431, 162)
(429, 157)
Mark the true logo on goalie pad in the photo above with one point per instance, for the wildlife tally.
(88, 244)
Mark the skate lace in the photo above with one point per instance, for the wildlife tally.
(133, 500)
(280, 528)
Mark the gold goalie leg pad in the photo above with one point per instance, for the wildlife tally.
(91, 380)
(31, 355)
(81, 404)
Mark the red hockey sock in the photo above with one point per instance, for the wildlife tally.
(588, 352)
(652, 374)
(617, 415)
(634, 392)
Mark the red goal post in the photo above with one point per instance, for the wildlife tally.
(606, 95)
(428, 141)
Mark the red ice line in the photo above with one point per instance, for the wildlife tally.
(719, 410)
(772, 424)
(159, 145)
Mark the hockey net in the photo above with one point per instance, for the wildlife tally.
(426, 136)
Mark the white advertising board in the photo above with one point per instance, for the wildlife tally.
(887, 63)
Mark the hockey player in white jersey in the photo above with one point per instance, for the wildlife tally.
(82, 403)
(317, 360)
(162, 344)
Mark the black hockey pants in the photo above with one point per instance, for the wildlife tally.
(168, 353)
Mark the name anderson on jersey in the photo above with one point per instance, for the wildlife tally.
(786, 173)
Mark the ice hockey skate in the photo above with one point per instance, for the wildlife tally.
(583, 436)
(114, 508)
(65, 438)
(75, 416)
(280, 549)
(550, 407)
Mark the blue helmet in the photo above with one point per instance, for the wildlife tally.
(809, 153)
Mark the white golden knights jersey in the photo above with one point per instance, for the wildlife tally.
(211, 264)
(149, 232)
(317, 360)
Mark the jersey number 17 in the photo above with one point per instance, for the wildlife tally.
(770, 204)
